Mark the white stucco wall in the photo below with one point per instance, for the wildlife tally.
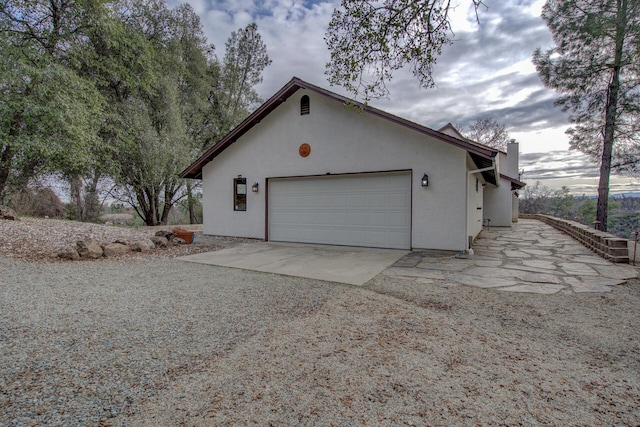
(513, 170)
(342, 140)
(475, 204)
(498, 204)
(515, 207)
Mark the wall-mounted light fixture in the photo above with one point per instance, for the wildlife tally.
(425, 180)
(255, 187)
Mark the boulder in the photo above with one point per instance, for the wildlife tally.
(166, 234)
(69, 252)
(89, 249)
(185, 235)
(115, 249)
(145, 245)
(179, 241)
(8, 213)
(159, 241)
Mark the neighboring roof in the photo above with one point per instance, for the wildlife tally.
(449, 128)
(480, 154)
(515, 184)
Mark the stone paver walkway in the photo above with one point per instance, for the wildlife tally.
(529, 257)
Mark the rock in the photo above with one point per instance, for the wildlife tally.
(179, 241)
(185, 235)
(166, 234)
(8, 213)
(159, 241)
(89, 249)
(145, 245)
(69, 252)
(115, 249)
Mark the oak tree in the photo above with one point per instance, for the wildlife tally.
(49, 113)
(369, 41)
(488, 131)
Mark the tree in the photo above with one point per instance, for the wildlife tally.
(151, 110)
(49, 114)
(369, 41)
(168, 98)
(244, 61)
(595, 67)
(535, 199)
(231, 96)
(121, 90)
(488, 131)
(561, 203)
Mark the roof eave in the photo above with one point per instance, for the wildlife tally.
(194, 171)
(514, 182)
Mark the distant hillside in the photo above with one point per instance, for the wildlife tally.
(624, 209)
(634, 194)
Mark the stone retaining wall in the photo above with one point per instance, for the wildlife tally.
(606, 245)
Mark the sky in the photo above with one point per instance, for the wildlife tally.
(486, 72)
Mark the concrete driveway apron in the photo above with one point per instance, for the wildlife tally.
(342, 264)
(529, 257)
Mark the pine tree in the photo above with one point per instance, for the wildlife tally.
(595, 67)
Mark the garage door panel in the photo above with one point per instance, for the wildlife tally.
(399, 201)
(359, 200)
(358, 210)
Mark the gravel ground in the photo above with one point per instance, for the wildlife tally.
(37, 239)
(147, 341)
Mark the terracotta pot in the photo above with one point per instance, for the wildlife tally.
(185, 235)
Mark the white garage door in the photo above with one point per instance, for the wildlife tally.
(354, 210)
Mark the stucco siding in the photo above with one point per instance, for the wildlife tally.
(515, 208)
(343, 140)
(474, 205)
(498, 204)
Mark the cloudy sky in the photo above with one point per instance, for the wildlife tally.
(487, 72)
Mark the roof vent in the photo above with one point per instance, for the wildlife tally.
(304, 105)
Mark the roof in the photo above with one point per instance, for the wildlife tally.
(452, 128)
(480, 154)
(515, 183)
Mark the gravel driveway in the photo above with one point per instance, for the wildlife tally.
(164, 342)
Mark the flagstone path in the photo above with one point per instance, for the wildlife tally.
(529, 257)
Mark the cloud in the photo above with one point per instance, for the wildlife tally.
(557, 164)
(486, 72)
(572, 169)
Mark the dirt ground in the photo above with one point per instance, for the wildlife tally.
(170, 343)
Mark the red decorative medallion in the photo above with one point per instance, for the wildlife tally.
(304, 150)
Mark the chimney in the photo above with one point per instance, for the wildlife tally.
(513, 163)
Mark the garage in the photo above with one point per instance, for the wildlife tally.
(307, 167)
(367, 209)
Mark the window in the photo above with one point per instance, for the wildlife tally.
(240, 194)
(304, 105)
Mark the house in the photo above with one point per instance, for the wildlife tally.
(312, 166)
(500, 202)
